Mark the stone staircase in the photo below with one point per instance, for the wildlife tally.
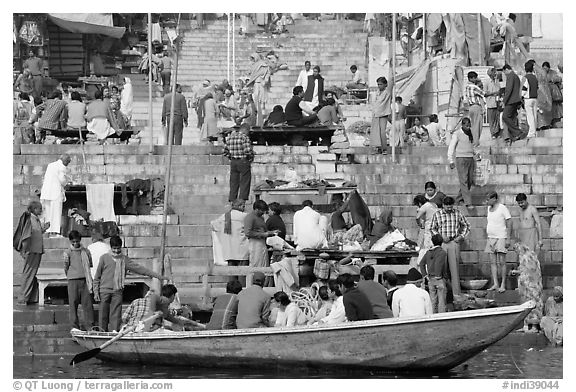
(333, 45)
(200, 186)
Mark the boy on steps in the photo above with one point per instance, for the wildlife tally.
(434, 266)
(109, 283)
(77, 264)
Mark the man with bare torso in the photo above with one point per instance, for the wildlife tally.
(529, 230)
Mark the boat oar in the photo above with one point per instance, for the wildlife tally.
(86, 355)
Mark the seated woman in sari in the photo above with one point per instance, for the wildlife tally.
(384, 234)
(552, 322)
(289, 314)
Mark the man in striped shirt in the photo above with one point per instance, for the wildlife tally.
(239, 150)
(474, 97)
(453, 227)
(226, 308)
(53, 115)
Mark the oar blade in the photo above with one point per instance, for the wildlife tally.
(84, 356)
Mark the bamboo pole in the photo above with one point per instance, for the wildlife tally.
(233, 50)
(150, 123)
(228, 47)
(479, 17)
(424, 35)
(393, 81)
(170, 137)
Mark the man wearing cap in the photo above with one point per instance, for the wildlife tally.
(411, 300)
(253, 304)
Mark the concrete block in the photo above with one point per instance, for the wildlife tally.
(142, 253)
(15, 149)
(547, 188)
(145, 219)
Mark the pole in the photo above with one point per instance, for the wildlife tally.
(479, 39)
(424, 34)
(228, 47)
(169, 160)
(233, 50)
(393, 80)
(150, 123)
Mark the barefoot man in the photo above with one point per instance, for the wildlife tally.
(530, 230)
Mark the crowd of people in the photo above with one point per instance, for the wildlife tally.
(106, 112)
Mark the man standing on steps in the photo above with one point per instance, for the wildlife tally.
(36, 67)
(474, 97)
(165, 72)
(530, 95)
(512, 102)
(303, 76)
(180, 115)
(238, 149)
(453, 227)
(52, 193)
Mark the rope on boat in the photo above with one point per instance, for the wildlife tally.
(307, 299)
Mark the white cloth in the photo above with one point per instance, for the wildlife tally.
(127, 98)
(286, 274)
(97, 249)
(410, 301)
(233, 246)
(308, 233)
(496, 227)
(303, 78)
(290, 317)
(52, 211)
(55, 179)
(387, 240)
(156, 32)
(100, 202)
(100, 127)
(337, 312)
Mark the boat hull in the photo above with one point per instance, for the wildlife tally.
(436, 342)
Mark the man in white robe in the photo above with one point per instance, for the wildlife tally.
(53, 192)
(309, 228)
(303, 76)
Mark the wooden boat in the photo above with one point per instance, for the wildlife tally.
(435, 342)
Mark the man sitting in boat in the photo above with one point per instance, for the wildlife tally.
(389, 281)
(375, 292)
(356, 304)
(254, 304)
(143, 308)
(225, 308)
(411, 300)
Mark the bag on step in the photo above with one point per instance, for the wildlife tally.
(482, 172)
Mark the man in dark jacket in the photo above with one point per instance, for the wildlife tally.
(180, 115)
(295, 107)
(375, 292)
(356, 304)
(512, 102)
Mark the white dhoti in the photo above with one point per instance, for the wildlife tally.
(100, 127)
(52, 211)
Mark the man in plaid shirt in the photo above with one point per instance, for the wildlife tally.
(137, 310)
(453, 227)
(239, 150)
(474, 97)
